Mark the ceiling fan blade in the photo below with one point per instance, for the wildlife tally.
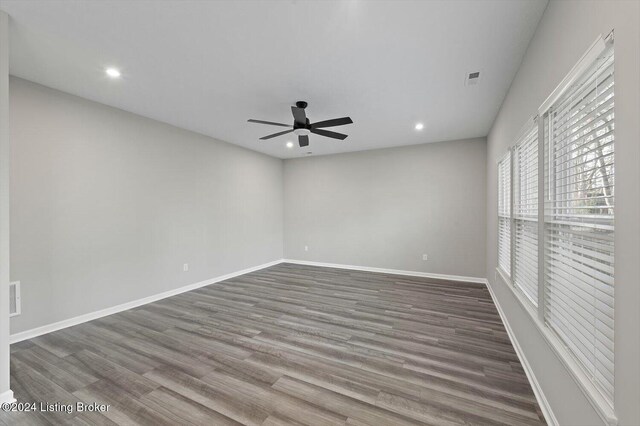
(303, 140)
(268, 122)
(331, 123)
(329, 134)
(298, 115)
(276, 134)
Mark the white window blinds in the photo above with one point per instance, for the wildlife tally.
(579, 220)
(504, 214)
(525, 214)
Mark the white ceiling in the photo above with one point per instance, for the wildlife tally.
(208, 66)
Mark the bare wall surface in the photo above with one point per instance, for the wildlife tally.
(566, 30)
(386, 208)
(5, 393)
(107, 206)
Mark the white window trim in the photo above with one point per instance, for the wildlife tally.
(582, 65)
(600, 403)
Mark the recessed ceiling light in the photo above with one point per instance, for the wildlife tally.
(419, 126)
(289, 144)
(113, 72)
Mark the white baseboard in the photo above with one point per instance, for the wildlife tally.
(34, 332)
(390, 271)
(537, 389)
(7, 396)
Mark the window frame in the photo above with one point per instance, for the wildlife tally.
(506, 158)
(530, 127)
(602, 404)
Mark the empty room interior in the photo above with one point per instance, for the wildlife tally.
(320, 212)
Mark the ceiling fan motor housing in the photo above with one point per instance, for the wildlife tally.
(301, 126)
(297, 125)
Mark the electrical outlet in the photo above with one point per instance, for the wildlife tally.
(14, 298)
(306, 248)
(425, 257)
(185, 267)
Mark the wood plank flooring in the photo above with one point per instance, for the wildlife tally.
(290, 344)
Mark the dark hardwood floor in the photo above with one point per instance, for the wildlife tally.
(289, 344)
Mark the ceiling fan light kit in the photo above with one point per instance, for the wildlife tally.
(302, 127)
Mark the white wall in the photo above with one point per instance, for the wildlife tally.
(107, 206)
(566, 30)
(385, 208)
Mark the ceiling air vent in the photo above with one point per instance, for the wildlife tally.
(14, 298)
(472, 78)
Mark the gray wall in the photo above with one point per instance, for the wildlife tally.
(107, 206)
(566, 30)
(4, 207)
(385, 208)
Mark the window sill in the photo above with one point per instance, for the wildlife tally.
(599, 403)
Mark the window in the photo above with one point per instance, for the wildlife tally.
(504, 214)
(525, 213)
(579, 225)
(562, 267)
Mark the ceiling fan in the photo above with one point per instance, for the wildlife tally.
(302, 127)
